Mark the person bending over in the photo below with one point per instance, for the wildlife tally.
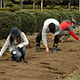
(65, 32)
(53, 26)
(50, 25)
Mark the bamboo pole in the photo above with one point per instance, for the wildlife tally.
(41, 5)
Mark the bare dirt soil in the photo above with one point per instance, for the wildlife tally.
(40, 65)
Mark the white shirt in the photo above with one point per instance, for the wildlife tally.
(46, 30)
(14, 44)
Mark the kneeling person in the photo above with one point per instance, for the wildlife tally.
(16, 41)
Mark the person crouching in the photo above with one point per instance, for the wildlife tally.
(17, 42)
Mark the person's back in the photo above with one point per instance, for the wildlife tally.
(68, 25)
(65, 25)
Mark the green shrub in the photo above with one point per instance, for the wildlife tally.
(28, 21)
(71, 7)
(70, 13)
(5, 9)
(61, 9)
(41, 17)
(77, 15)
(63, 15)
(54, 15)
(31, 6)
(76, 7)
(58, 7)
(7, 21)
(15, 8)
(9, 3)
(65, 7)
(27, 6)
(30, 10)
(66, 10)
(49, 7)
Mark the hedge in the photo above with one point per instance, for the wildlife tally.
(27, 6)
(28, 22)
(5, 9)
(58, 7)
(63, 15)
(15, 8)
(9, 4)
(77, 15)
(70, 13)
(55, 15)
(41, 17)
(7, 21)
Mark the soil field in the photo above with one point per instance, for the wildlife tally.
(40, 65)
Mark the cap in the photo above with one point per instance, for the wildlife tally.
(14, 31)
(74, 22)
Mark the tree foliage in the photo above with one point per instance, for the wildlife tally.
(49, 2)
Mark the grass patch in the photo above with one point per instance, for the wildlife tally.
(74, 76)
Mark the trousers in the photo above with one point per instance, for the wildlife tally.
(39, 38)
(18, 53)
(66, 35)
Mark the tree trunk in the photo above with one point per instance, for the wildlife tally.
(33, 4)
(4, 4)
(69, 4)
(1, 3)
(79, 5)
(21, 3)
(37, 7)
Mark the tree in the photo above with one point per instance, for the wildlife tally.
(79, 5)
(69, 4)
(20, 2)
(53, 2)
(9, 4)
(35, 2)
(4, 2)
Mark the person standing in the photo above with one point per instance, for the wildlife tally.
(17, 42)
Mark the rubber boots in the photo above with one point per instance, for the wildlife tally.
(37, 47)
(55, 47)
(54, 50)
(13, 58)
(22, 58)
